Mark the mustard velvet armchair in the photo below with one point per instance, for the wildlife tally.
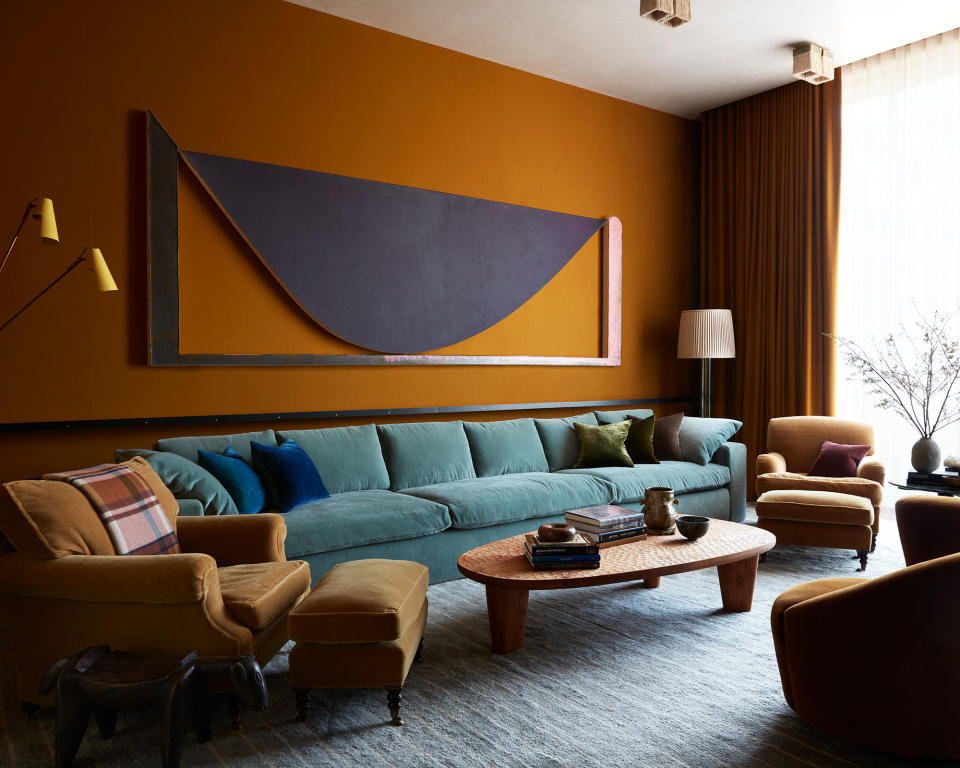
(793, 444)
(877, 662)
(63, 588)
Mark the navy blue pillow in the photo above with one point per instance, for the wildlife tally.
(237, 477)
(292, 474)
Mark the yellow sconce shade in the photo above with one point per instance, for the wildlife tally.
(101, 272)
(48, 222)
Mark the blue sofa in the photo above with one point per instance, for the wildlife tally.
(429, 491)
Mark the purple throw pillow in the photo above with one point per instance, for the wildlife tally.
(838, 460)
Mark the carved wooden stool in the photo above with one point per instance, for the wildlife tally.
(361, 627)
(101, 682)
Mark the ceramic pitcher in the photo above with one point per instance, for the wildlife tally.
(659, 511)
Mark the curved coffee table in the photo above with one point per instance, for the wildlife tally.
(734, 548)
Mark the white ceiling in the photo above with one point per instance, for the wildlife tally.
(731, 48)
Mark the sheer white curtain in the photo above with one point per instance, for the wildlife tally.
(899, 214)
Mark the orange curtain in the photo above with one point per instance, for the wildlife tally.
(770, 192)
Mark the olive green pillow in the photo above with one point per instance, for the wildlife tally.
(639, 443)
(603, 446)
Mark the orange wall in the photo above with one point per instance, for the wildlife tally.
(266, 80)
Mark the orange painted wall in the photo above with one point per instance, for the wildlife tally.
(266, 80)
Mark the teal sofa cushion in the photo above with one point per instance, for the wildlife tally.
(700, 438)
(505, 498)
(189, 508)
(505, 447)
(348, 458)
(358, 518)
(612, 417)
(188, 446)
(186, 480)
(238, 477)
(629, 484)
(425, 453)
(560, 444)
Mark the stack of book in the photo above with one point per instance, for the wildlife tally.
(560, 555)
(607, 525)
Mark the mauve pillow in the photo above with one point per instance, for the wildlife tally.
(666, 437)
(838, 460)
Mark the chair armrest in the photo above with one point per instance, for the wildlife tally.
(235, 539)
(846, 640)
(771, 462)
(872, 469)
(157, 579)
(734, 457)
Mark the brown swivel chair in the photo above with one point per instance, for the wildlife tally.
(839, 512)
(63, 588)
(877, 661)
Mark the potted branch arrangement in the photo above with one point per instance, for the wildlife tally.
(915, 375)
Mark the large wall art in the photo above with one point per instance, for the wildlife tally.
(396, 270)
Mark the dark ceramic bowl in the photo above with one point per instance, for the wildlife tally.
(556, 532)
(692, 526)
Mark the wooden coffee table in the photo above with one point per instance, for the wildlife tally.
(734, 548)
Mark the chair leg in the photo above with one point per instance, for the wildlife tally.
(873, 543)
(394, 697)
(863, 554)
(303, 703)
(419, 657)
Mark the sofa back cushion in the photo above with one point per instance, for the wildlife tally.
(560, 444)
(347, 458)
(700, 438)
(425, 453)
(505, 447)
(51, 518)
(188, 446)
(612, 417)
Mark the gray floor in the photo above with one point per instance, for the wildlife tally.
(609, 676)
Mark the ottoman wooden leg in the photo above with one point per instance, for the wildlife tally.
(394, 697)
(873, 543)
(303, 703)
(863, 554)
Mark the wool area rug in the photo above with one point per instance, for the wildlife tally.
(616, 675)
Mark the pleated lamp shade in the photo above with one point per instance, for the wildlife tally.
(706, 333)
(101, 272)
(48, 222)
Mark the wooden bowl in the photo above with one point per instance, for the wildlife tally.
(556, 532)
(692, 526)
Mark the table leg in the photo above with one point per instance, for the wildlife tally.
(507, 611)
(651, 582)
(736, 583)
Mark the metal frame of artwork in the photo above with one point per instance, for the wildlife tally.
(163, 157)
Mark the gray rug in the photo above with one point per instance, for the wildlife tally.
(610, 676)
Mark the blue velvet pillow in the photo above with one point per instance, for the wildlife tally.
(293, 476)
(237, 477)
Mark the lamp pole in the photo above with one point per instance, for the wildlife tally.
(67, 271)
(26, 214)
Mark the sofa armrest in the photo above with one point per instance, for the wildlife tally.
(156, 579)
(734, 457)
(847, 639)
(872, 469)
(235, 539)
(771, 462)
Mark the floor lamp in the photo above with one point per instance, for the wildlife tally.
(705, 334)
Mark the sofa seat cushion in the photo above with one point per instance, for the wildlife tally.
(363, 601)
(629, 484)
(257, 593)
(358, 518)
(815, 507)
(798, 481)
(486, 501)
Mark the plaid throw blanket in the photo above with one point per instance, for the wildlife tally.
(128, 508)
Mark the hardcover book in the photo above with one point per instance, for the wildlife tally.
(606, 516)
(537, 566)
(579, 546)
(626, 533)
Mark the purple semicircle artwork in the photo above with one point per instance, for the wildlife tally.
(395, 269)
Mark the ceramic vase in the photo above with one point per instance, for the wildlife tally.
(925, 455)
(659, 511)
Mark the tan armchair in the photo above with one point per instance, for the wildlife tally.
(793, 444)
(877, 662)
(63, 588)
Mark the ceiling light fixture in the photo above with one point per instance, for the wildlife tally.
(670, 13)
(813, 63)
